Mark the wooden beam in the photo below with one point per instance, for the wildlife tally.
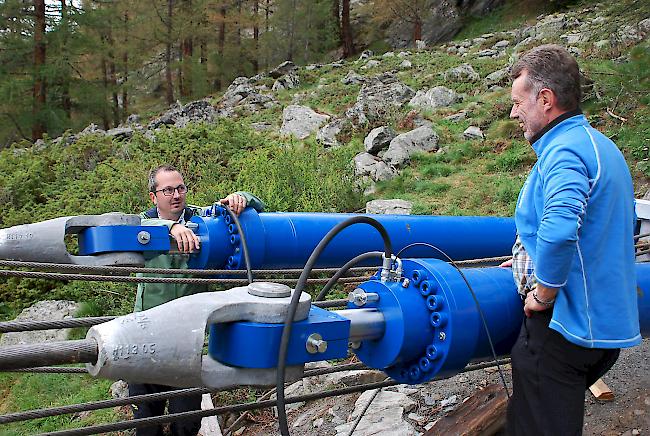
(484, 413)
(601, 391)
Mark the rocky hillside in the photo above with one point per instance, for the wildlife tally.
(434, 122)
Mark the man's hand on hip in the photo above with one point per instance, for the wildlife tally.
(540, 299)
(185, 238)
(236, 203)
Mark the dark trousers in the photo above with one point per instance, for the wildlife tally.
(550, 376)
(157, 408)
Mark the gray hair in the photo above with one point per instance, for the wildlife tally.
(551, 66)
(154, 172)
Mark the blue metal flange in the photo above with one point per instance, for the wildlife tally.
(432, 323)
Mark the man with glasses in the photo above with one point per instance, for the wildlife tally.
(167, 191)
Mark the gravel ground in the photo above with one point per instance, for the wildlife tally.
(627, 414)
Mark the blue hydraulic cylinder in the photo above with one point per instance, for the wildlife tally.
(432, 322)
(433, 325)
(643, 292)
(286, 240)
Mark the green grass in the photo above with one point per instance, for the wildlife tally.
(22, 392)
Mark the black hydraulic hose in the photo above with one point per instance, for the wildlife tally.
(48, 353)
(244, 244)
(335, 278)
(295, 298)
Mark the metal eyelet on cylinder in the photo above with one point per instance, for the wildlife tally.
(414, 372)
(438, 319)
(417, 276)
(432, 352)
(425, 288)
(434, 302)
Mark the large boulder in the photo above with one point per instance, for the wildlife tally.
(441, 20)
(462, 73)
(367, 165)
(498, 77)
(285, 67)
(48, 310)
(330, 134)
(378, 139)
(243, 94)
(288, 81)
(390, 207)
(384, 415)
(435, 98)
(377, 98)
(403, 146)
(301, 121)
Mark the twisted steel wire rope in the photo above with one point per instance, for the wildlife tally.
(123, 425)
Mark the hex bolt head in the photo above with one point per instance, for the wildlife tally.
(442, 336)
(316, 344)
(406, 282)
(144, 237)
(354, 345)
(359, 297)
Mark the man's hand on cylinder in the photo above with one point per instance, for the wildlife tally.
(185, 238)
(236, 203)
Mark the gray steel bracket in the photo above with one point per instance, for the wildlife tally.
(164, 345)
(45, 241)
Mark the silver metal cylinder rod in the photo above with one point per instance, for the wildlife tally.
(365, 324)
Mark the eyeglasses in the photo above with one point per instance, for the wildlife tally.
(168, 191)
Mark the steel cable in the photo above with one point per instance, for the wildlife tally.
(48, 353)
(27, 326)
(175, 280)
(124, 425)
(120, 270)
(53, 370)
(104, 404)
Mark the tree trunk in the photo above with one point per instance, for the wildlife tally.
(66, 103)
(336, 14)
(187, 51)
(125, 62)
(417, 31)
(240, 55)
(38, 105)
(104, 66)
(221, 44)
(168, 54)
(267, 26)
(112, 79)
(256, 37)
(346, 31)
(292, 26)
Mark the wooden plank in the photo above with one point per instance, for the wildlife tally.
(484, 413)
(601, 391)
(209, 424)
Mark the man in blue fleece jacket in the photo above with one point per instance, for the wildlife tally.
(573, 260)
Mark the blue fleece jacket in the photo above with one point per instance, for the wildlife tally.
(575, 217)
